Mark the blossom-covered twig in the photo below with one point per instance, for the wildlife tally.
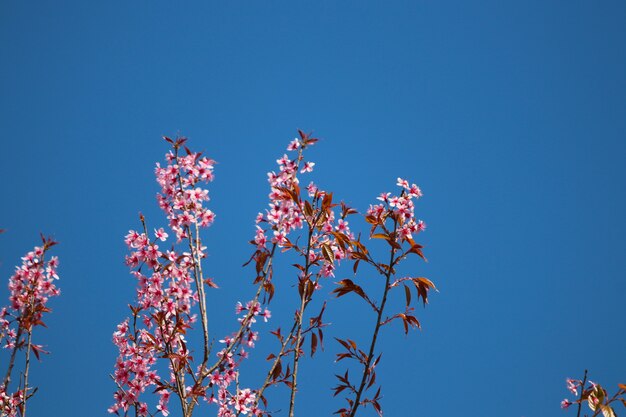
(171, 284)
(292, 209)
(171, 296)
(32, 285)
(394, 222)
(595, 395)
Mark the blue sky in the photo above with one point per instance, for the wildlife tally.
(511, 116)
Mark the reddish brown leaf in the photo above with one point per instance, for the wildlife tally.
(407, 294)
(417, 249)
(321, 334)
(327, 201)
(372, 380)
(371, 219)
(278, 334)
(377, 360)
(308, 209)
(392, 242)
(210, 283)
(313, 343)
(358, 255)
(328, 254)
(376, 406)
(37, 349)
(343, 343)
(423, 285)
(277, 370)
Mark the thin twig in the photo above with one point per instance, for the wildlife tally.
(26, 369)
(370, 355)
(582, 390)
(7, 378)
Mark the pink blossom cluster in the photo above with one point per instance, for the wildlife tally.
(403, 209)
(166, 295)
(180, 197)
(9, 403)
(29, 290)
(572, 386)
(287, 214)
(284, 215)
(165, 290)
(132, 370)
(169, 287)
(566, 403)
(241, 401)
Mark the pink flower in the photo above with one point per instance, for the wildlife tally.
(142, 410)
(572, 385)
(403, 183)
(207, 217)
(215, 378)
(383, 196)
(405, 233)
(415, 191)
(260, 238)
(342, 226)
(279, 238)
(266, 314)
(160, 234)
(293, 145)
(163, 409)
(308, 167)
(565, 403)
(311, 189)
(283, 161)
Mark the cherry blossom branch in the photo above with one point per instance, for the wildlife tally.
(370, 355)
(244, 323)
(281, 353)
(179, 376)
(199, 277)
(582, 390)
(237, 338)
(122, 389)
(299, 318)
(166, 296)
(26, 370)
(178, 371)
(31, 286)
(615, 397)
(401, 210)
(596, 396)
(235, 342)
(197, 270)
(7, 377)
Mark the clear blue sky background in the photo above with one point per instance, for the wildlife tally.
(511, 116)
